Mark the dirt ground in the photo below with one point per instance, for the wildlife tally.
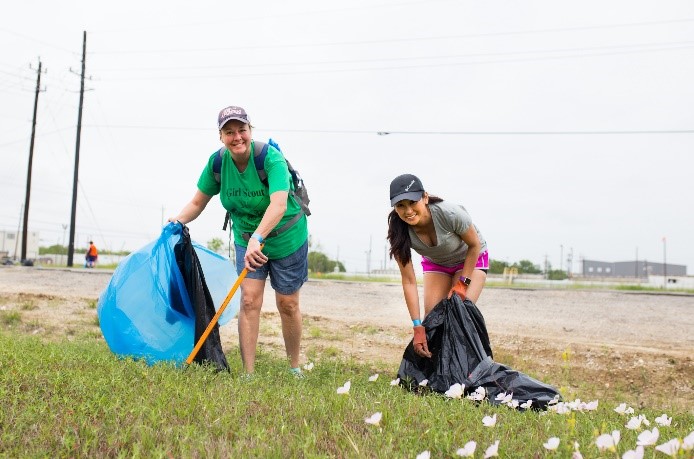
(587, 342)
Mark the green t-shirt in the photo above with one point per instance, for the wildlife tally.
(247, 198)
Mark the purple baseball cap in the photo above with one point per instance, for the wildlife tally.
(232, 113)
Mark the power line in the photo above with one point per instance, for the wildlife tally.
(382, 133)
(645, 47)
(671, 131)
(401, 40)
(402, 67)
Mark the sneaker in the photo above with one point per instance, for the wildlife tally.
(297, 373)
(247, 377)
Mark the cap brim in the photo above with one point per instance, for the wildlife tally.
(221, 125)
(410, 196)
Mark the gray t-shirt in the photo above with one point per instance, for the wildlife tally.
(450, 220)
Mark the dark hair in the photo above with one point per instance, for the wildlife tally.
(399, 235)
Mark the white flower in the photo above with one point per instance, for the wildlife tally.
(576, 454)
(489, 421)
(663, 420)
(308, 366)
(624, 409)
(468, 450)
(576, 405)
(493, 450)
(424, 384)
(424, 455)
(634, 453)
(344, 389)
(552, 444)
(648, 437)
(591, 406)
(395, 382)
(562, 408)
(688, 442)
(373, 378)
(670, 448)
(479, 394)
(375, 418)
(555, 400)
(526, 405)
(608, 441)
(504, 398)
(455, 391)
(636, 421)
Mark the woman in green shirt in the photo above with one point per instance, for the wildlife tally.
(270, 231)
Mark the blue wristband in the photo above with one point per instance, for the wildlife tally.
(257, 237)
(416, 323)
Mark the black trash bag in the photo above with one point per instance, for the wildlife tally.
(461, 353)
(189, 265)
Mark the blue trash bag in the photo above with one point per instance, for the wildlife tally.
(145, 311)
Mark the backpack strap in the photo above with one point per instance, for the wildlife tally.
(217, 165)
(281, 229)
(259, 154)
(217, 170)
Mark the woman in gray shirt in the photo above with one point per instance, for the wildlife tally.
(454, 253)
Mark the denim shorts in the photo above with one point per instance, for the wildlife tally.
(287, 274)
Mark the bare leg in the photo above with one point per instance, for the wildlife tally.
(249, 320)
(437, 286)
(288, 306)
(477, 281)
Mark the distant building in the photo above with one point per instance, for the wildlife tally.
(638, 269)
(11, 244)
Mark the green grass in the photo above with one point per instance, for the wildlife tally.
(76, 399)
(10, 318)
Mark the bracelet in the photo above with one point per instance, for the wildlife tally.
(465, 280)
(257, 237)
(416, 323)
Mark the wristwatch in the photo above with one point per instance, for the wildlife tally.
(465, 280)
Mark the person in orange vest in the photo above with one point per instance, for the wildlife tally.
(92, 255)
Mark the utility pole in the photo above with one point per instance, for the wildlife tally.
(25, 229)
(71, 246)
(63, 246)
(664, 265)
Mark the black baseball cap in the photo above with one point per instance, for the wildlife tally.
(232, 112)
(406, 186)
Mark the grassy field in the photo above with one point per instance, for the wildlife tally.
(76, 399)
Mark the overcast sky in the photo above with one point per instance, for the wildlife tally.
(565, 128)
